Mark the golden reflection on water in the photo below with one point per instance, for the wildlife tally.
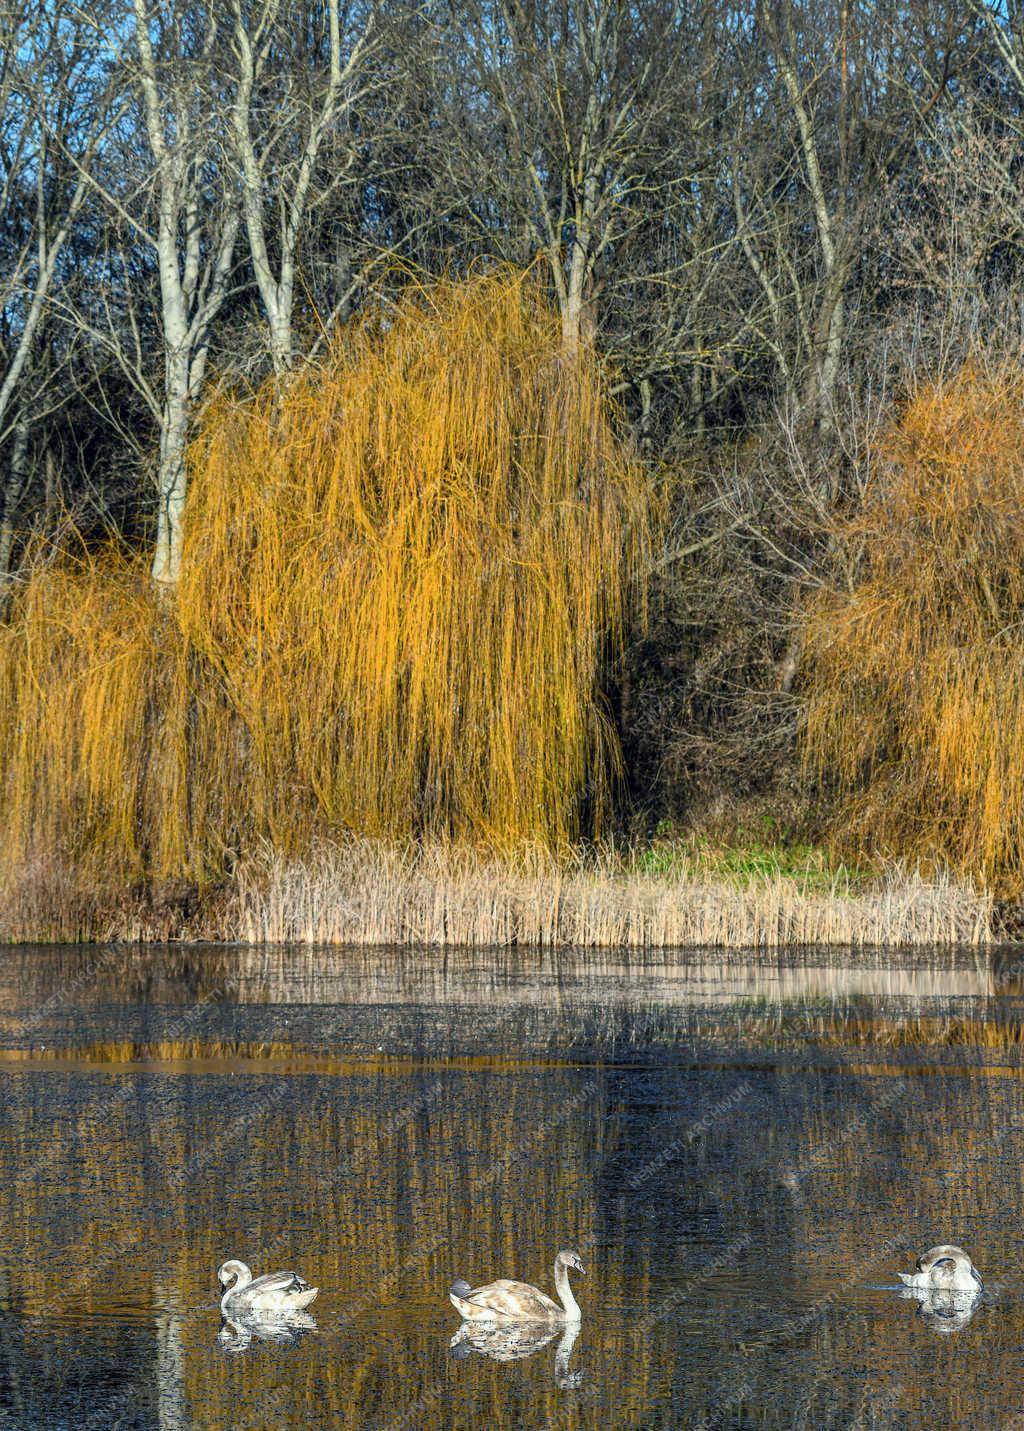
(365, 1193)
(739, 1224)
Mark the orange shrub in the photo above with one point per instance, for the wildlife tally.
(914, 671)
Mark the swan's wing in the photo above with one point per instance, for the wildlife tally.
(276, 1282)
(513, 1299)
(906, 1278)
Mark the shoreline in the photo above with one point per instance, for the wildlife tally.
(361, 893)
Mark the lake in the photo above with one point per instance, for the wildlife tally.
(743, 1151)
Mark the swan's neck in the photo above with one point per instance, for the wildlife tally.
(572, 1309)
(242, 1279)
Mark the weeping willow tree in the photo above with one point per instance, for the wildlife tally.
(915, 670)
(404, 572)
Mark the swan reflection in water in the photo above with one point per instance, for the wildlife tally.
(237, 1333)
(945, 1310)
(510, 1341)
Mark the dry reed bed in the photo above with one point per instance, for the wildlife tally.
(366, 893)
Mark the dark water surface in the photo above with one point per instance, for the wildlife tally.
(743, 1153)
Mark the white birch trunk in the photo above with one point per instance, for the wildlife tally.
(193, 275)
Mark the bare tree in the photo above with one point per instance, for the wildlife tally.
(1004, 22)
(297, 80)
(55, 109)
(191, 222)
(835, 111)
(559, 117)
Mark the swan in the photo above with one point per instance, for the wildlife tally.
(273, 1293)
(946, 1267)
(518, 1301)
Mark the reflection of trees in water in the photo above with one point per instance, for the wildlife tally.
(169, 1368)
(487, 1175)
(119, 1005)
(381, 1181)
(830, 1175)
(377, 1183)
(48, 1379)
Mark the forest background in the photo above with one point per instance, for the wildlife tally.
(751, 271)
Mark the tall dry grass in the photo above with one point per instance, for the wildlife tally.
(369, 893)
(403, 575)
(915, 667)
(363, 892)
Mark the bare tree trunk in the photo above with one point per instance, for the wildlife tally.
(194, 254)
(14, 488)
(51, 492)
(171, 479)
(6, 575)
(829, 330)
(577, 322)
(697, 400)
(646, 403)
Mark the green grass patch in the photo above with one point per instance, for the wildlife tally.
(750, 857)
